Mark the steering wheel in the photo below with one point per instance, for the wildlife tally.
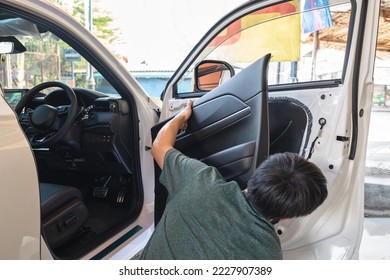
(46, 124)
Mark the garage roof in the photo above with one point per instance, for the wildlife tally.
(336, 36)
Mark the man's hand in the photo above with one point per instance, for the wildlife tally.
(166, 137)
(184, 115)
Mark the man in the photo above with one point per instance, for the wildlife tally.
(209, 218)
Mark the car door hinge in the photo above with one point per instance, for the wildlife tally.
(155, 104)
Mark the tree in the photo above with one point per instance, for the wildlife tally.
(102, 27)
(44, 58)
(102, 20)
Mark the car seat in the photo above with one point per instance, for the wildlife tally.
(63, 213)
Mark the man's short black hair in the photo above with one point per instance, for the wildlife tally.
(286, 185)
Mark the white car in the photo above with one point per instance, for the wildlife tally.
(77, 177)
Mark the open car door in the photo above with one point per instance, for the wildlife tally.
(317, 104)
(228, 128)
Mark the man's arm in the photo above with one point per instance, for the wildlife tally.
(166, 137)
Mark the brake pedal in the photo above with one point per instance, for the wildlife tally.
(101, 191)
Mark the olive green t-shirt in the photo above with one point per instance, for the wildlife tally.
(207, 217)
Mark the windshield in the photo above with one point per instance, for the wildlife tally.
(42, 57)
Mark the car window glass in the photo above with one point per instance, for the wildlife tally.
(301, 38)
(47, 58)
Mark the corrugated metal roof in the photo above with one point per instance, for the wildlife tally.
(337, 34)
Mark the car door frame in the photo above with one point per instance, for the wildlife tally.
(20, 202)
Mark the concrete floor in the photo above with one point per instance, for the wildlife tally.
(376, 239)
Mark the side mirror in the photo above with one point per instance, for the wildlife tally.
(209, 74)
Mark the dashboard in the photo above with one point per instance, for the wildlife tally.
(100, 139)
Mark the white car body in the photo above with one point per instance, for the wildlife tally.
(24, 240)
(332, 232)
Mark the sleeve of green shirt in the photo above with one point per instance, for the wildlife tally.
(179, 171)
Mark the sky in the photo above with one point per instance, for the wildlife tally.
(162, 32)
